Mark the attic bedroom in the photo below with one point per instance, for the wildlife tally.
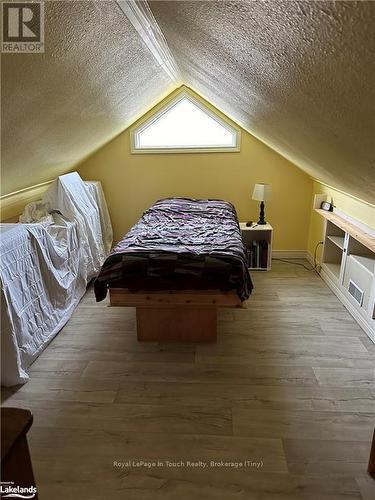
(187, 250)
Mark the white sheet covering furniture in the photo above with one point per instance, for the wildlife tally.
(44, 270)
(69, 195)
(96, 191)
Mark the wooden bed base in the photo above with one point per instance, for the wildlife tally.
(181, 316)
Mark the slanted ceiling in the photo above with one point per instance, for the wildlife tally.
(94, 79)
(298, 75)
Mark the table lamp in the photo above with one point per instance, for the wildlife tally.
(262, 193)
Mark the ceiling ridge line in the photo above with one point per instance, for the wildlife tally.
(141, 17)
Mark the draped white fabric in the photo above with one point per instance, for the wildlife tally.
(96, 191)
(45, 268)
(69, 195)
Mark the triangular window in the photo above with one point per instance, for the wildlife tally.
(185, 125)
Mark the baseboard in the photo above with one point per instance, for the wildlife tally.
(366, 327)
(289, 254)
(310, 259)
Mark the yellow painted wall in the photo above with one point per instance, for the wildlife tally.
(13, 204)
(132, 182)
(360, 210)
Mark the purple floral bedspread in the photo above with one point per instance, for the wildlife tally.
(180, 244)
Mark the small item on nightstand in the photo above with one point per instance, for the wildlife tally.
(249, 223)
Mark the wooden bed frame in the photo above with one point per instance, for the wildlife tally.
(184, 316)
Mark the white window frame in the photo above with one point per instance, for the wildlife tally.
(136, 131)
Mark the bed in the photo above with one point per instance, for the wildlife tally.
(177, 265)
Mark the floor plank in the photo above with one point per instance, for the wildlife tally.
(182, 419)
(248, 396)
(343, 377)
(316, 425)
(327, 458)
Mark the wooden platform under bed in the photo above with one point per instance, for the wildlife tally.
(180, 316)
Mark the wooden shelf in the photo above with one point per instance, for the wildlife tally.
(366, 239)
(337, 240)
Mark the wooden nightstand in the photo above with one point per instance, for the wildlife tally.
(258, 242)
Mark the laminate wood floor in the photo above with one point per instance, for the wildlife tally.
(283, 404)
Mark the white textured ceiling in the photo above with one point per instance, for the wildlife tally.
(95, 77)
(299, 75)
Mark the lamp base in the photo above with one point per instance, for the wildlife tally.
(261, 220)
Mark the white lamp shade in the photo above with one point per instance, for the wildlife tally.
(262, 192)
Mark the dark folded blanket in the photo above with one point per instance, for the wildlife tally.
(180, 244)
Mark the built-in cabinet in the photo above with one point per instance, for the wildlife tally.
(348, 267)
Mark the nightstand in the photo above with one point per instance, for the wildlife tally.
(258, 242)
